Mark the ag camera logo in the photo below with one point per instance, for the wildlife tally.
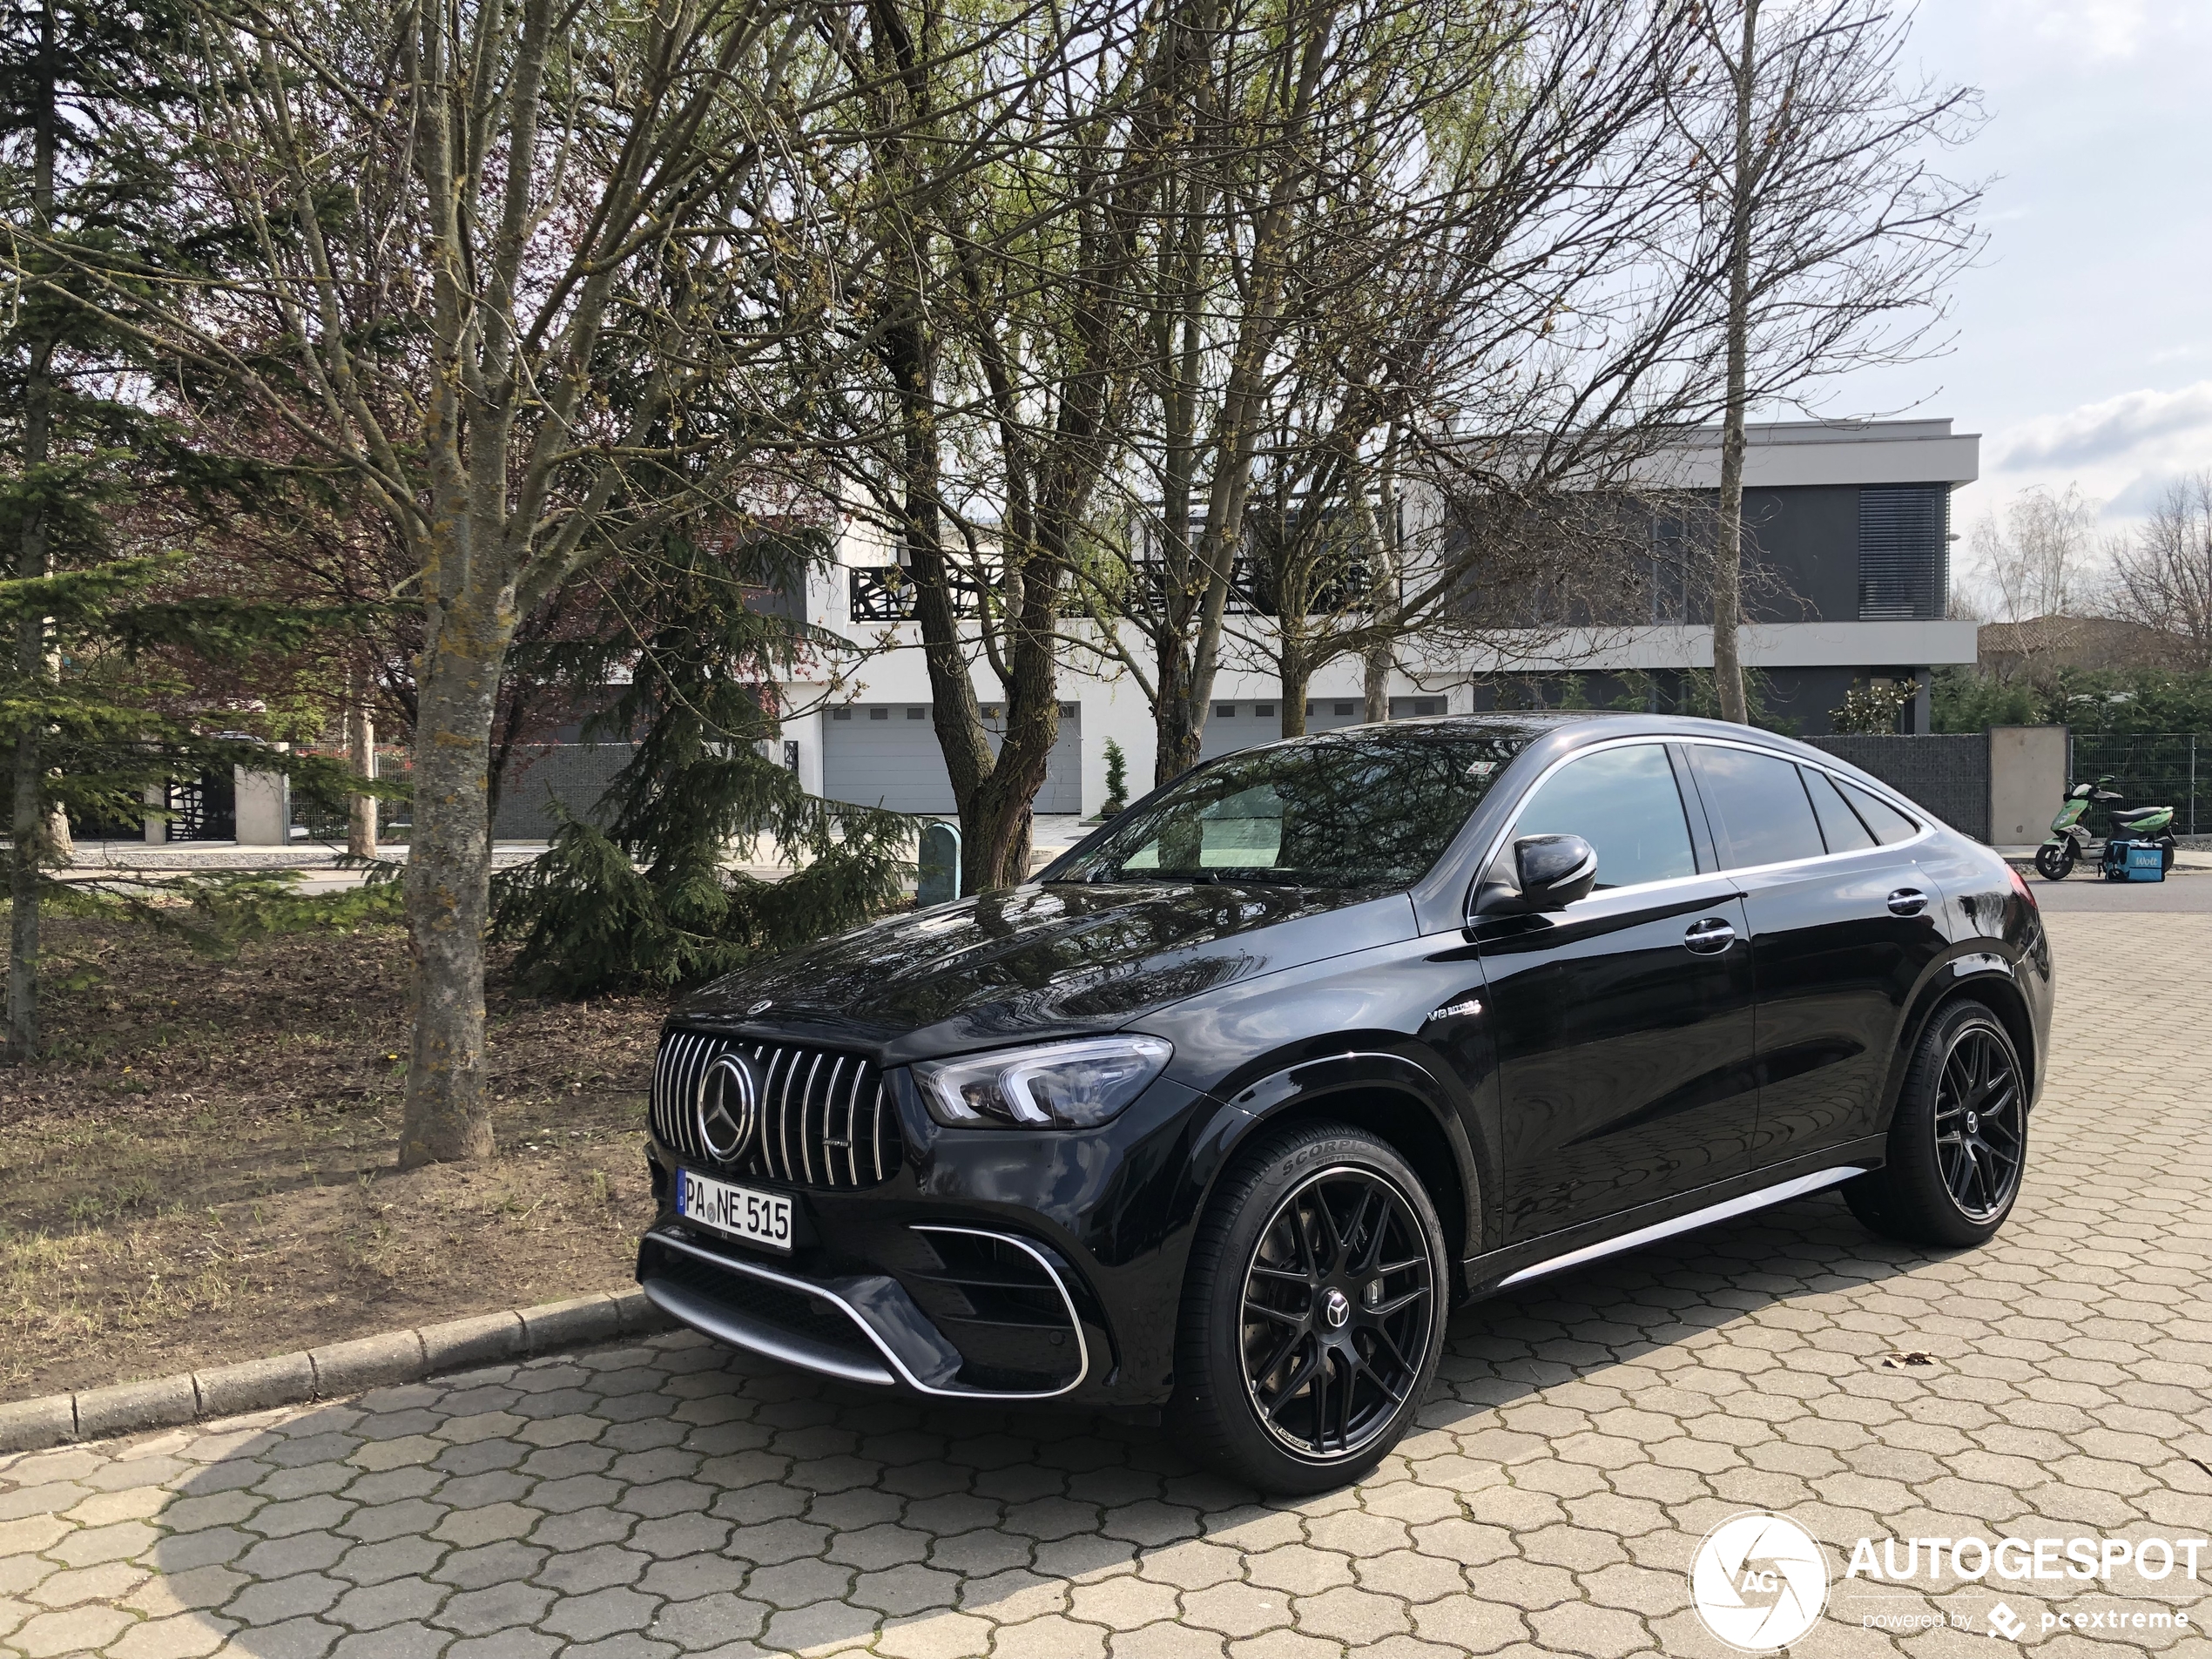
(1758, 1582)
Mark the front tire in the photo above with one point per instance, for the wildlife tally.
(1959, 1142)
(1313, 1312)
(2054, 860)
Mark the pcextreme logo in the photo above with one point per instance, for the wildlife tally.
(1758, 1582)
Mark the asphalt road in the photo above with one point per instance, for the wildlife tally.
(2189, 894)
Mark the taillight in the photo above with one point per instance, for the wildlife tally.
(2020, 887)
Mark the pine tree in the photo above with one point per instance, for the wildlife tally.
(653, 899)
(98, 480)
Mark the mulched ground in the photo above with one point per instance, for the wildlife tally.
(203, 1169)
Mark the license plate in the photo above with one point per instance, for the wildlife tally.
(756, 1217)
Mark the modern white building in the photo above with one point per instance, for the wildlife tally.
(1847, 522)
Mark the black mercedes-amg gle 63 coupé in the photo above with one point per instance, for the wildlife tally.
(1221, 1114)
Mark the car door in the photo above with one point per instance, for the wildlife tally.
(1844, 923)
(1623, 1025)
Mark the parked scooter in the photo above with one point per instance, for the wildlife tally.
(2071, 840)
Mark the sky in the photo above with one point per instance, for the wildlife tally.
(2083, 340)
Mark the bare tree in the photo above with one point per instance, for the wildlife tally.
(998, 233)
(2037, 564)
(2162, 575)
(1454, 274)
(1833, 241)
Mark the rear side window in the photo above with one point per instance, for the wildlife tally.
(1838, 822)
(1625, 802)
(1765, 816)
(1888, 825)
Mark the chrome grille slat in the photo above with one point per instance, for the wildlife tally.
(694, 1073)
(807, 1141)
(771, 1117)
(852, 1122)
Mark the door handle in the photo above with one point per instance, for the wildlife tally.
(1907, 902)
(1710, 937)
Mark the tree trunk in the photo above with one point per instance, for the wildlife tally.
(1728, 538)
(1376, 688)
(1177, 737)
(29, 826)
(448, 1115)
(360, 744)
(1290, 669)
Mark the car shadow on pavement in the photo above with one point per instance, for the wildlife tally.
(675, 1497)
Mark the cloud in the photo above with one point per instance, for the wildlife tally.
(2140, 495)
(2149, 426)
(2090, 30)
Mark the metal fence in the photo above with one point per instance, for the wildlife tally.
(576, 774)
(2152, 769)
(1947, 773)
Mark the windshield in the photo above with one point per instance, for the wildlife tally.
(1374, 809)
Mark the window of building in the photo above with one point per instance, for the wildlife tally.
(879, 714)
(917, 714)
(1263, 711)
(1225, 711)
(1903, 552)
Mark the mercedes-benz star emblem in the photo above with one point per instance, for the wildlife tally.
(761, 1006)
(728, 1103)
(1336, 1308)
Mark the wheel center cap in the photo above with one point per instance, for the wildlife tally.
(1336, 1308)
(1973, 1123)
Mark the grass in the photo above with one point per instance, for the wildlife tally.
(201, 1169)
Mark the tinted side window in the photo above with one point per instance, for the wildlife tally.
(1838, 822)
(1625, 802)
(1888, 825)
(1765, 816)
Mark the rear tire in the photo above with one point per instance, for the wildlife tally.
(1313, 1312)
(1959, 1142)
(2054, 860)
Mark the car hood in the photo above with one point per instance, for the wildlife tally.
(1033, 962)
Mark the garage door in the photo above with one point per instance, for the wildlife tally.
(885, 754)
(1232, 726)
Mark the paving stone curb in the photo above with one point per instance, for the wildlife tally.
(329, 1373)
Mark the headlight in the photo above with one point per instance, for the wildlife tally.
(1062, 1085)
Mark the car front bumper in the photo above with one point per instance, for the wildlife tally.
(992, 1265)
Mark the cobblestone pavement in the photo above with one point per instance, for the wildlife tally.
(666, 1499)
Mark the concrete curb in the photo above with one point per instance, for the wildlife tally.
(327, 1372)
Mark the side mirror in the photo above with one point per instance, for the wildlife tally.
(1553, 871)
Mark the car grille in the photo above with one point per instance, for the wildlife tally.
(826, 1119)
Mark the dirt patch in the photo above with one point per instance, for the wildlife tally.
(203, 1169)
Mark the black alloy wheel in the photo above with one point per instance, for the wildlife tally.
(1979, 1144)
(1313, 1311)
(1958, 1141)
(1339, 1296)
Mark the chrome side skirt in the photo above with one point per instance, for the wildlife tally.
(1795, 1188)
